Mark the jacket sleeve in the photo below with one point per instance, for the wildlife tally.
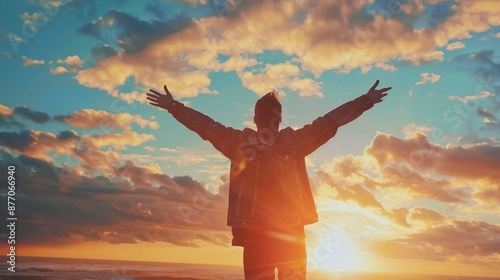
(325, 127)
(221, 137)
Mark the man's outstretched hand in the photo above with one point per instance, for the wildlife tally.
(159, 99)
(376, 95)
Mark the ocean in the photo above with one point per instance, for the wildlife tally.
(34, 268)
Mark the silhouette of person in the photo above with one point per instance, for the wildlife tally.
(270, 199)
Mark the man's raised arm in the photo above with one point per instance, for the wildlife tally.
(323, 128)
(221, 137)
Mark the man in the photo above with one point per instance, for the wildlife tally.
(270, 199)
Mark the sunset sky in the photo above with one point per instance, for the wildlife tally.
(413, 185)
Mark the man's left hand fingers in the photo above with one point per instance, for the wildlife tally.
(374, 85)
(155, 91)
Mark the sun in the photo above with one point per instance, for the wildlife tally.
(335, 251)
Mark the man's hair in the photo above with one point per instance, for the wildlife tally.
(268, 110)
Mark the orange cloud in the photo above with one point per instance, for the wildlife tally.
(428, 77)
(358, 194)
(472, 162)
(280, 76)
(5, 111)
(411, 128)
(90, 119)
(321, 41)
(28, 61)
(458, 238)
(73, 61)
(455, 46)
(58, 70)
(426, 215)
(84, 150)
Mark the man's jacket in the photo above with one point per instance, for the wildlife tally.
(269, 185)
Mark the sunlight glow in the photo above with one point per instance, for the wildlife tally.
(335, 251)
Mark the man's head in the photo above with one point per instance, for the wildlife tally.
(268, 111)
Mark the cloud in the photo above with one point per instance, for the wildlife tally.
(238, 64)
(459, 238)
(484, 66)
(93, 29)
(84, 150)
(86, 118)
(411, 128)
(73, 61)
(5, 111)
(91, 119)
(483, 94)
(131, 97)
(181, 158)
(417, 153)
(102, 51)
(455, 46)
(386, 67)
(427, 216)
(117, 140)
(137, 204)
(17, 140)
(280, 76)
(28, 61)
(393, 178)
(489, 195)
(35, 19)
(169, 150)
(184, 54)
(8, 116)
(58, 70)
(346, 179)
(487, 115)
(428, 77)
(35, 116)
(150, 68)
(136, 34)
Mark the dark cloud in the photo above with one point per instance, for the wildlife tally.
(7, 118)
(134, 34)
(67, 134)
(91, 29)
(35, 116)
(435, 14)
(486, 66)
(485, 114)
(45, 169)
(414, 15)
(8, 122)
(102, 51)
(16, 140)
(60, 207)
